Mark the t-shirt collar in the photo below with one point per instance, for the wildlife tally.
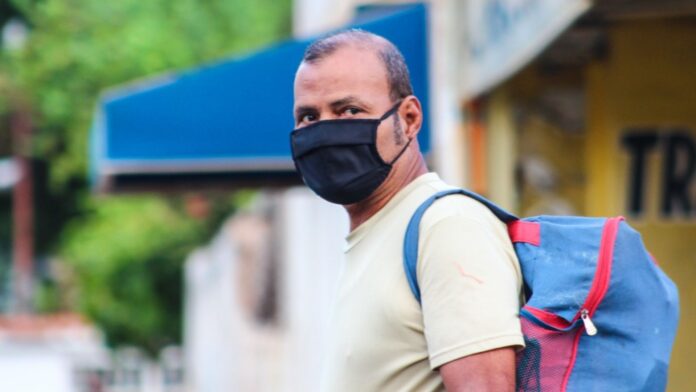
(359, 232)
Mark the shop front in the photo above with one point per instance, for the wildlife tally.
(603, 123)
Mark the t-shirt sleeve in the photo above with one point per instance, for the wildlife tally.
(470, 287)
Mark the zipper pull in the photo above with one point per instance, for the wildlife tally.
(587, 321)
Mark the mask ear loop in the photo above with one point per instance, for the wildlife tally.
(386, 116)
(391, 111)
(403, 150)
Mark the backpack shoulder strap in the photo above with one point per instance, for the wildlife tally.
(412, 231)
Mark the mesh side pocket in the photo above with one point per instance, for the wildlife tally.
(543, 364)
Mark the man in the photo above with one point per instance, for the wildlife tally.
(355, 144)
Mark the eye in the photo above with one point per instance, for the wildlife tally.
(351, 111)
(309, 117)
(306, 118)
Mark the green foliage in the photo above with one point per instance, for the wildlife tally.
(127, 255)
(126, 252)
(78, 47)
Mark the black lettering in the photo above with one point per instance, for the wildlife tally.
(638, 143)
(679, 168)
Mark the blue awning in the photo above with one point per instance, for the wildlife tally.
(227, 123)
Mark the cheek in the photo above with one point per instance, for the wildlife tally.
(386, 143)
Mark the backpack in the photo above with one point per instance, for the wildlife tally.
(600, 314)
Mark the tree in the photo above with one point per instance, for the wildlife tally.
(126, 252)
(127, 255)
(79, 47)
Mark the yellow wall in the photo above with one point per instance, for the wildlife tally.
(527, 119)
(501, 150)
(648, 79)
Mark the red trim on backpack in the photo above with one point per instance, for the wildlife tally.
(599, 287)
(527, 232)
(600, 284)
(571, 362)
(548, 318)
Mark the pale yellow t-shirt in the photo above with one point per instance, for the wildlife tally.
(381, 338)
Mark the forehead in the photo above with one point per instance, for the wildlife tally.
(350, 70)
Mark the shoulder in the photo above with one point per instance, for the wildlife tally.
(460, 224)
(461, 209)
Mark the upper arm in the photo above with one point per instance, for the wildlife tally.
(487, 371)
(470, 288)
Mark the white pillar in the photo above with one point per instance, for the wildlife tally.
(449, 157)
(313, 234)
(313, 17)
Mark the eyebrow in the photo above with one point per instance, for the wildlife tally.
(337, 104)
(302, 110)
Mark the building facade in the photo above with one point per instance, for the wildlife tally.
(546, 107)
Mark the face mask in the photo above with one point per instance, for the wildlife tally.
(338, 159)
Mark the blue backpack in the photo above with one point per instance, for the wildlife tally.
(600, 314)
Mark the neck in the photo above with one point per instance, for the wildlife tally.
(396, 181)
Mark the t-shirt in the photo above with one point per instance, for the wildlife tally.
(380, 337)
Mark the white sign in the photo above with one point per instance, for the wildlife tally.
(501, 36)
(10, 173)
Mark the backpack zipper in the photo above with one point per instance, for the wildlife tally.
(587, 321)
(599, 287)
(600, 284)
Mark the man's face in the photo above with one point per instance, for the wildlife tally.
(349, 83)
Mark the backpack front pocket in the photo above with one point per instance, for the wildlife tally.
(551, 343)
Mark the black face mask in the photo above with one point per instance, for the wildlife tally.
(338, 159)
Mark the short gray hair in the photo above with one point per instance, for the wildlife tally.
(397, 72)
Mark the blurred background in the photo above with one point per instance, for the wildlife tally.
(153, 233)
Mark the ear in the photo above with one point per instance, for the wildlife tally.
(411, 113)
